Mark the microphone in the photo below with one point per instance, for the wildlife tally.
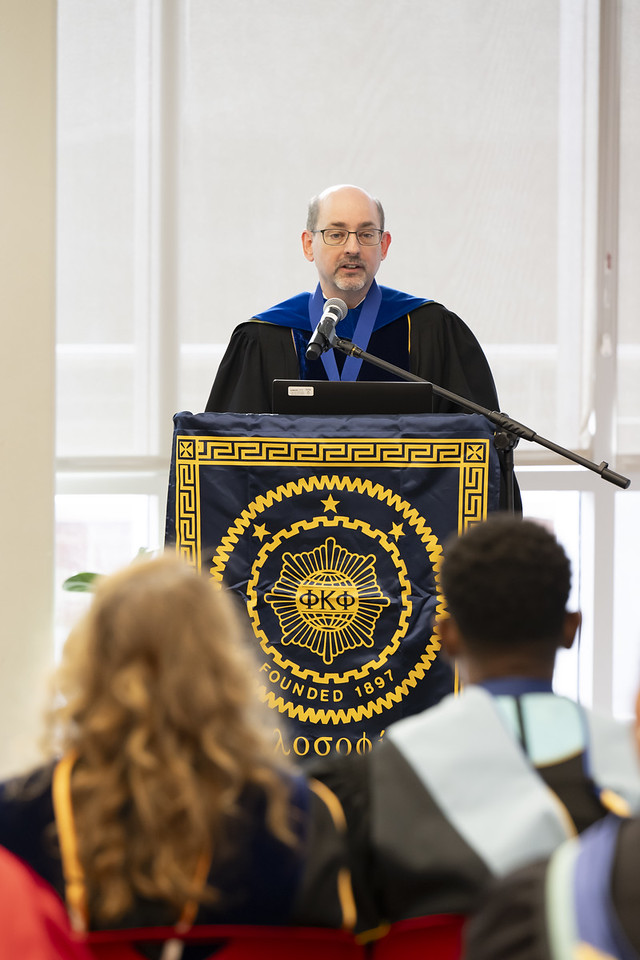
(334, 311)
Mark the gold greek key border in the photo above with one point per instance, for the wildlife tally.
(470, 456)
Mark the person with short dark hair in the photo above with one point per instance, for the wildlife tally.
(502, 774)
(507, 586)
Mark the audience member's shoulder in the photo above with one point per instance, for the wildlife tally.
(27, 788)
(26, 808)
(348, 779)
(340, 771)
(510, 922)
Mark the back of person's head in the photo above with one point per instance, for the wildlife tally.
(160, 707)
(158, 642)
(506, 582)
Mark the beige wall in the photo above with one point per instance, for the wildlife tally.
(27, 320)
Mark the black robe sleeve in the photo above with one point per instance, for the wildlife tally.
(445, 351)
(257, 354)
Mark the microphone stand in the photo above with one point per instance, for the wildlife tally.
(509, 431)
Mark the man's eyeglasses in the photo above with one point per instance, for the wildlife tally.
(334, 237)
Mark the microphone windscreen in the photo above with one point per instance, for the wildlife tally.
(339, 305)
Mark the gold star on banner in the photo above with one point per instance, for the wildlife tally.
(260, 531)
(330, 503)
(396, 531)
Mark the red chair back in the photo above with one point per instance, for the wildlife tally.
(33, 921)
(234, 942)
(438, 937)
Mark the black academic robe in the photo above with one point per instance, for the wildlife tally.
(450, 798)
(431, 342)
(260, 879)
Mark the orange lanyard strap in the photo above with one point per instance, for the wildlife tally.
(74, 877)
(190, 908)
(344, 884)
(75, 887)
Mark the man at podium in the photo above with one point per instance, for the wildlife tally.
(343, 655)
(345, 238)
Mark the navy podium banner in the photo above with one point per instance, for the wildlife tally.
(330, 530)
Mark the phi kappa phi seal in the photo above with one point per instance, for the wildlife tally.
(342, 590)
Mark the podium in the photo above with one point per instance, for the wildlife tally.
(330, 530)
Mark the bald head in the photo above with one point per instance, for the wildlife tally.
(338, 193)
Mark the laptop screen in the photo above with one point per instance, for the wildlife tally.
(328, 397)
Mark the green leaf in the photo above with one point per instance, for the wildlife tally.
(85, 582)
(81, 582)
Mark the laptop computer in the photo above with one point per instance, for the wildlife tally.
(327, 397)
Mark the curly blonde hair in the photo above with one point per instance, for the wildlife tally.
(156, 695)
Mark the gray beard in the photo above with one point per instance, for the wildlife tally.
(351, 283)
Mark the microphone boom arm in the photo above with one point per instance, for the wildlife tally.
(515, 430)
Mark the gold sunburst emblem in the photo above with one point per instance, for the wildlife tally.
(327, 599)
